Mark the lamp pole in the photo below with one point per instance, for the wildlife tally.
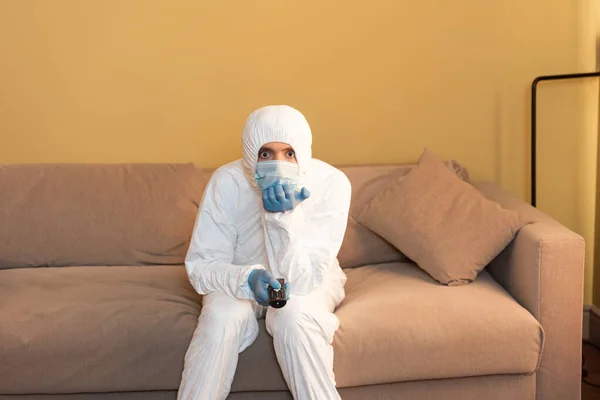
(533, 119)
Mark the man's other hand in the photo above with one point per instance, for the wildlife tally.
(280, 198)
(259, 281)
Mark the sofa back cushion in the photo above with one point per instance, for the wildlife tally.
(362, 246)
(92, 214)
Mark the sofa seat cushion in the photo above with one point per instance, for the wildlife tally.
(109, 329)
(398, 324)
(94, 329)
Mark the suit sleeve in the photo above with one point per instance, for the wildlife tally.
(301, 248)
(209, 261)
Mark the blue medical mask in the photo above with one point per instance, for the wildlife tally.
(275, 172)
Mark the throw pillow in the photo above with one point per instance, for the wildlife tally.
(442, 223)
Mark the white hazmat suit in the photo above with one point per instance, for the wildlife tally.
(234, 235)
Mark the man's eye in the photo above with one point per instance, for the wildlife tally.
(264, 154)
(290, 154)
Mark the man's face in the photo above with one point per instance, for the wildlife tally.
(277, 151)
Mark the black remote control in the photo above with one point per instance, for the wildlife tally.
(278, 297)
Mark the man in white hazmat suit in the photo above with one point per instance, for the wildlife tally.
(275, 213)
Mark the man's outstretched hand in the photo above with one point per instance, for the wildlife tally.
(259, 281)
(280, 198)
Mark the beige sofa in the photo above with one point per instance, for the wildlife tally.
(95, 302)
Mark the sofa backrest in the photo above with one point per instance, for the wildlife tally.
(77, 214)
(138, 214)
(361, 246)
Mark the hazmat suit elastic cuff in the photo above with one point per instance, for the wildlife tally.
(245, 289)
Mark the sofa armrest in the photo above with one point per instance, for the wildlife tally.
(542, 269)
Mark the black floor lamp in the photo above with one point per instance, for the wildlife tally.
(533, 120)
(584, 372)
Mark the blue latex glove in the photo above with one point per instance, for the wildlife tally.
(280, 198)
(259, 281)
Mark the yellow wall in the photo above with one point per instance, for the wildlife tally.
(149, 80)
(596, 272)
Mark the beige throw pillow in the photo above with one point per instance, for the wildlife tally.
(442, 223)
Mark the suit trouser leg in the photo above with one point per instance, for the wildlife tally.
(303, 333)
(226, 327)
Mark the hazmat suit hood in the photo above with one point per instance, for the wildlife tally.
(276, 123)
